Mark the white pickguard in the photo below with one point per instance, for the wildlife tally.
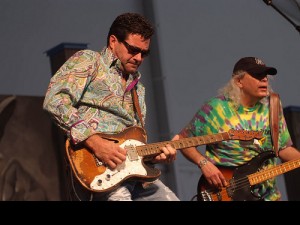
(131, 166)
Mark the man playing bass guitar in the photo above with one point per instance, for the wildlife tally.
(241, 104)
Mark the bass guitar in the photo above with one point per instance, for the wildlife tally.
(241, 179)
(96, 176)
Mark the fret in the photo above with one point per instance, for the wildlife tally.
(152, 149)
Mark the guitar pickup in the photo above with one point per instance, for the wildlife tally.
(231, 188)
(132, 154)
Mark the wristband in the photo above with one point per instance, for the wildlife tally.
(202, 163)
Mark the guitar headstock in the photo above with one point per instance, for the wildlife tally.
(245, 135)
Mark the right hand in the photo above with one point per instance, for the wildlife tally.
(106, 151)
(213, 175)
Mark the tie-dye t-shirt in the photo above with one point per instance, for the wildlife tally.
(219, 115)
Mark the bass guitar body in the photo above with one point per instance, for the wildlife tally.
(239, 187)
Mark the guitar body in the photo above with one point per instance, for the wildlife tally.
(239, 187)
(95, 176)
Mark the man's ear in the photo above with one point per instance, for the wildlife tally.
(112, 41)
(238, 82)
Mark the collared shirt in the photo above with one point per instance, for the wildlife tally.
(219, 115)
(86, 96)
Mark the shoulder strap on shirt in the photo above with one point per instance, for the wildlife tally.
(137, 105)
(274, 120)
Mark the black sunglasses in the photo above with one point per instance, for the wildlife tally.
(135, 50)
(259, 76)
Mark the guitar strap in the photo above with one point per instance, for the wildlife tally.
(137, 105)
(274, 120)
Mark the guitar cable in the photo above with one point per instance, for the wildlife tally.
(74, 189)
(193, 198)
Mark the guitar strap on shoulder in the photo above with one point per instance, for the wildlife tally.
(274, 120)
(137, 105)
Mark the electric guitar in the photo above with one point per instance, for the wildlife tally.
(242, 179)
(96, 176)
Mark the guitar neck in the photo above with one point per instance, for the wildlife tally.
(263, 175)
(153, 149)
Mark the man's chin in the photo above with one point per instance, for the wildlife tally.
(131, 70)
(263, 93)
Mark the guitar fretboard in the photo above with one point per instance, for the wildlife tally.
(152, 149)
(266, 174)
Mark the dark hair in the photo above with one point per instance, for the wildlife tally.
(130, 23)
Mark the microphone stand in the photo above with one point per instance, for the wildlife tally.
(269, 2)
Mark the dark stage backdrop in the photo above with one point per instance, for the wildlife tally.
(30, 151)
(292, 178)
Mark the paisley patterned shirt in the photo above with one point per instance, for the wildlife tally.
(86, 96)
(219, 115)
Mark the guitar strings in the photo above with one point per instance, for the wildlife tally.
(239, 184)
(243, 182)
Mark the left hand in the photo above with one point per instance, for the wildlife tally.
(168, 154)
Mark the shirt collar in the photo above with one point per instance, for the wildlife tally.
(113, 61)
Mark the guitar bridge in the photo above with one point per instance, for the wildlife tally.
(204, 196)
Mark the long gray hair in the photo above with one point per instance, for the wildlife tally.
(233, 92)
